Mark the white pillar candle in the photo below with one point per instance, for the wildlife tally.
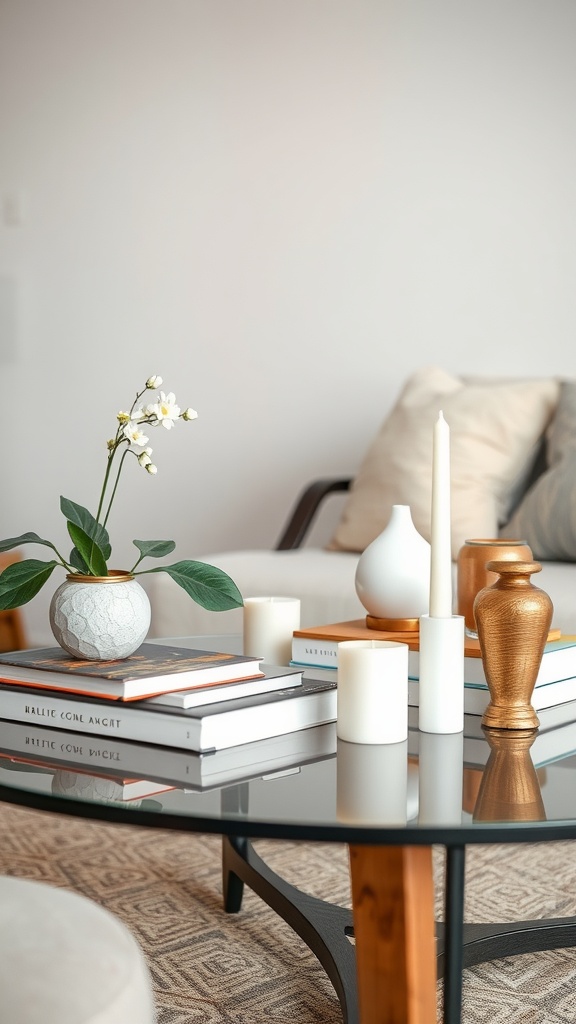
(441, 557)
(372, 783)
(372, 691)
(269, 623)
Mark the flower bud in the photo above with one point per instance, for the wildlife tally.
(153, 382)
(189, 414)
(111, 444)
(144, 459)
(151, 468)
(123, 417)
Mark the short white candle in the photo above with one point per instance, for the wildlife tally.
(372, 691)
(269, 623)
(441, 557)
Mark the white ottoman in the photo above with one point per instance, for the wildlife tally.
(65, 960)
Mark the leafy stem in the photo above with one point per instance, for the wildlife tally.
(114, 489)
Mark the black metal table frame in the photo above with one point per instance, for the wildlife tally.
(326, 928)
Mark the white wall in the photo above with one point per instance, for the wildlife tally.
(283, 207)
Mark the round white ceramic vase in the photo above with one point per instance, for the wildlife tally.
(393, 572)
(100, 618)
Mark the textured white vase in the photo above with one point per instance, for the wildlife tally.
(393, 572)
(100, 618)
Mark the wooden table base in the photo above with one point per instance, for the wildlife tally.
(393, 900)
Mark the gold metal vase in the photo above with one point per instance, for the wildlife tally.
(510, 787)
(513, 619)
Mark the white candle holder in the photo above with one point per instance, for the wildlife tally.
(441, 684)
(268, 627)
(372, 691)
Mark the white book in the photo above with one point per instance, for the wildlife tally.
(209, 727)
(56, 748)
(273, 678)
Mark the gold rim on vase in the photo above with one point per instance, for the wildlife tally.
(115, 576)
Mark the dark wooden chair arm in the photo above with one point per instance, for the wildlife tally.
(305, 509)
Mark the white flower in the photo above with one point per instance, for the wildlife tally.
(138, 414)
(166, 411)
(151, 468)
(189, 414)
(134, 434)
(153, 382)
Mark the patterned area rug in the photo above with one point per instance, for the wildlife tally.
(212, 968)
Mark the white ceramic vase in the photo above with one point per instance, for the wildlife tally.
(393, 572)
(100, 618)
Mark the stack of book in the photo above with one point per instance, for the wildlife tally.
(157, 768)
(164, 695)
(316, 649)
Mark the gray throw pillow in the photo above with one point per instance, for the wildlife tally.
(546, 517)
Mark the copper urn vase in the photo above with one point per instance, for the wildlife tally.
(472, 574)
(513, 620)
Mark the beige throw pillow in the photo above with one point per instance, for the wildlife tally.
(495, 428)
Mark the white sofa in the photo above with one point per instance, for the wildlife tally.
(513, 474)
(322, 579)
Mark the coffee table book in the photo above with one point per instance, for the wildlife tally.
(209, 727)
(57, 748)
(317, 647)
(152, 669)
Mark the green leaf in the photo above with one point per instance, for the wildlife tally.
(77, 562)
(24, 538)
(81, 517)
(88, 550)
(20, 582)
(208, 586)
(154, 548)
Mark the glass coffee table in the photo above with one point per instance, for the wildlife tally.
(389, 805)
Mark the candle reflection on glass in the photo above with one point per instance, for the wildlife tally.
(441, 774)
(372, 784)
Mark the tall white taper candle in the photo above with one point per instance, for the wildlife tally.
(441, 558)
(441, 686)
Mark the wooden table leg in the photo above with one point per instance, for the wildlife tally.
(393, 901)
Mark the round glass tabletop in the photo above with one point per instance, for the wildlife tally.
(451, 789)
